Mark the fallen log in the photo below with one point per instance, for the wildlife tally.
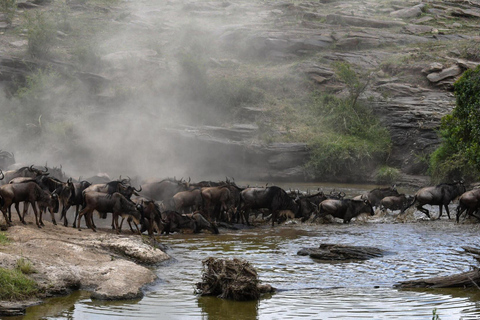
(462, 280)
(337, 252)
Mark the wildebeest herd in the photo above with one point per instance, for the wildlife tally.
(171, 205)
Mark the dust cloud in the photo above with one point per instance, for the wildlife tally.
(135, 87)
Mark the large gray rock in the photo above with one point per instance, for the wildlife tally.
(412, 12)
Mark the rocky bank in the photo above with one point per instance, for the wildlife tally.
(111, 266)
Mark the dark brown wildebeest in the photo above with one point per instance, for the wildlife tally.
(308, 205)
(272, 198)
(377, 194)
(104, 203)
(175, 222)
(30, 172)
(469, 201)
(440, 195)
(64, 190)
(31, 193)
(393, 203)
(216, 201)
(190, 199)
(164, 189)
(345, 209)
(76, 199)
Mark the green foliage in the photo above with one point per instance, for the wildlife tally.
(355, 141)
(459, 154)
(4, 239)
(387, 175)
(25, 266)
(14, 285)
(356, 84)
(435, 315)
(40, 35)
(8, 8)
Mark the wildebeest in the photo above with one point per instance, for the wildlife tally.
(377, 194)
(469, 201)
(30, 172)
(104, 203)
(217, 200)
(308, 204)
(152, 216)
(29, 192)
(76, 199)
(393, 203)
(190, 199)
(175, 222)
(64, 190)
(441, 195)
(345, 209)
(273, 198)
(164, 189)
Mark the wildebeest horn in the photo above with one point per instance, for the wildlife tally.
(46, 169)
(138, 189)
(30, 168)
(3, 176)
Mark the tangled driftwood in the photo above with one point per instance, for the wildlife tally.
(231, 279)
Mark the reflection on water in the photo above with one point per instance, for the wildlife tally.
(308, 289)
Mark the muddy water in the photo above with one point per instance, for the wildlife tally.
(307, 289)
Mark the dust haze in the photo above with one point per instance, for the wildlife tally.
(123, 110)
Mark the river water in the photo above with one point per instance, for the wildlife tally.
(307, 289)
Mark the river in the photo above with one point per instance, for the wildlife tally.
(307, 289)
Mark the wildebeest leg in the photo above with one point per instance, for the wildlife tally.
(421, 208)
(35, 211)
(52, 214)
(64, 214)
(22, 218)
(460, 211)
(115, 220)
(5, 216)
(74, 225)
(448, 211)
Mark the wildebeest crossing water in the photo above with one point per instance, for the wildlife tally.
(308, 289)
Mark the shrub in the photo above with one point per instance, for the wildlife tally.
(458, 156)
(387, 175)
(25, 266)
(3, 239)
(40, 35)
(8, 8)
(14, 285)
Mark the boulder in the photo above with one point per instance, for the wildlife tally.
(412, 12)
(338, 252)
(451, 72)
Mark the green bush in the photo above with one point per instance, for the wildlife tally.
(8, 8)
(25, 266)
(41, 34)
(458, 156)
(14, 285)
(387, 175)
(3, 239)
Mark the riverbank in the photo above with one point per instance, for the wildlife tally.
(111, 266)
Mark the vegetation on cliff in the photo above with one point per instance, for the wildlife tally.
(458, 157)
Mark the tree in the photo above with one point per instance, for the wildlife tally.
(458, 156)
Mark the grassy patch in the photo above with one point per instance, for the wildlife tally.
(14, 285)
(25, 266)
(4, 239)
